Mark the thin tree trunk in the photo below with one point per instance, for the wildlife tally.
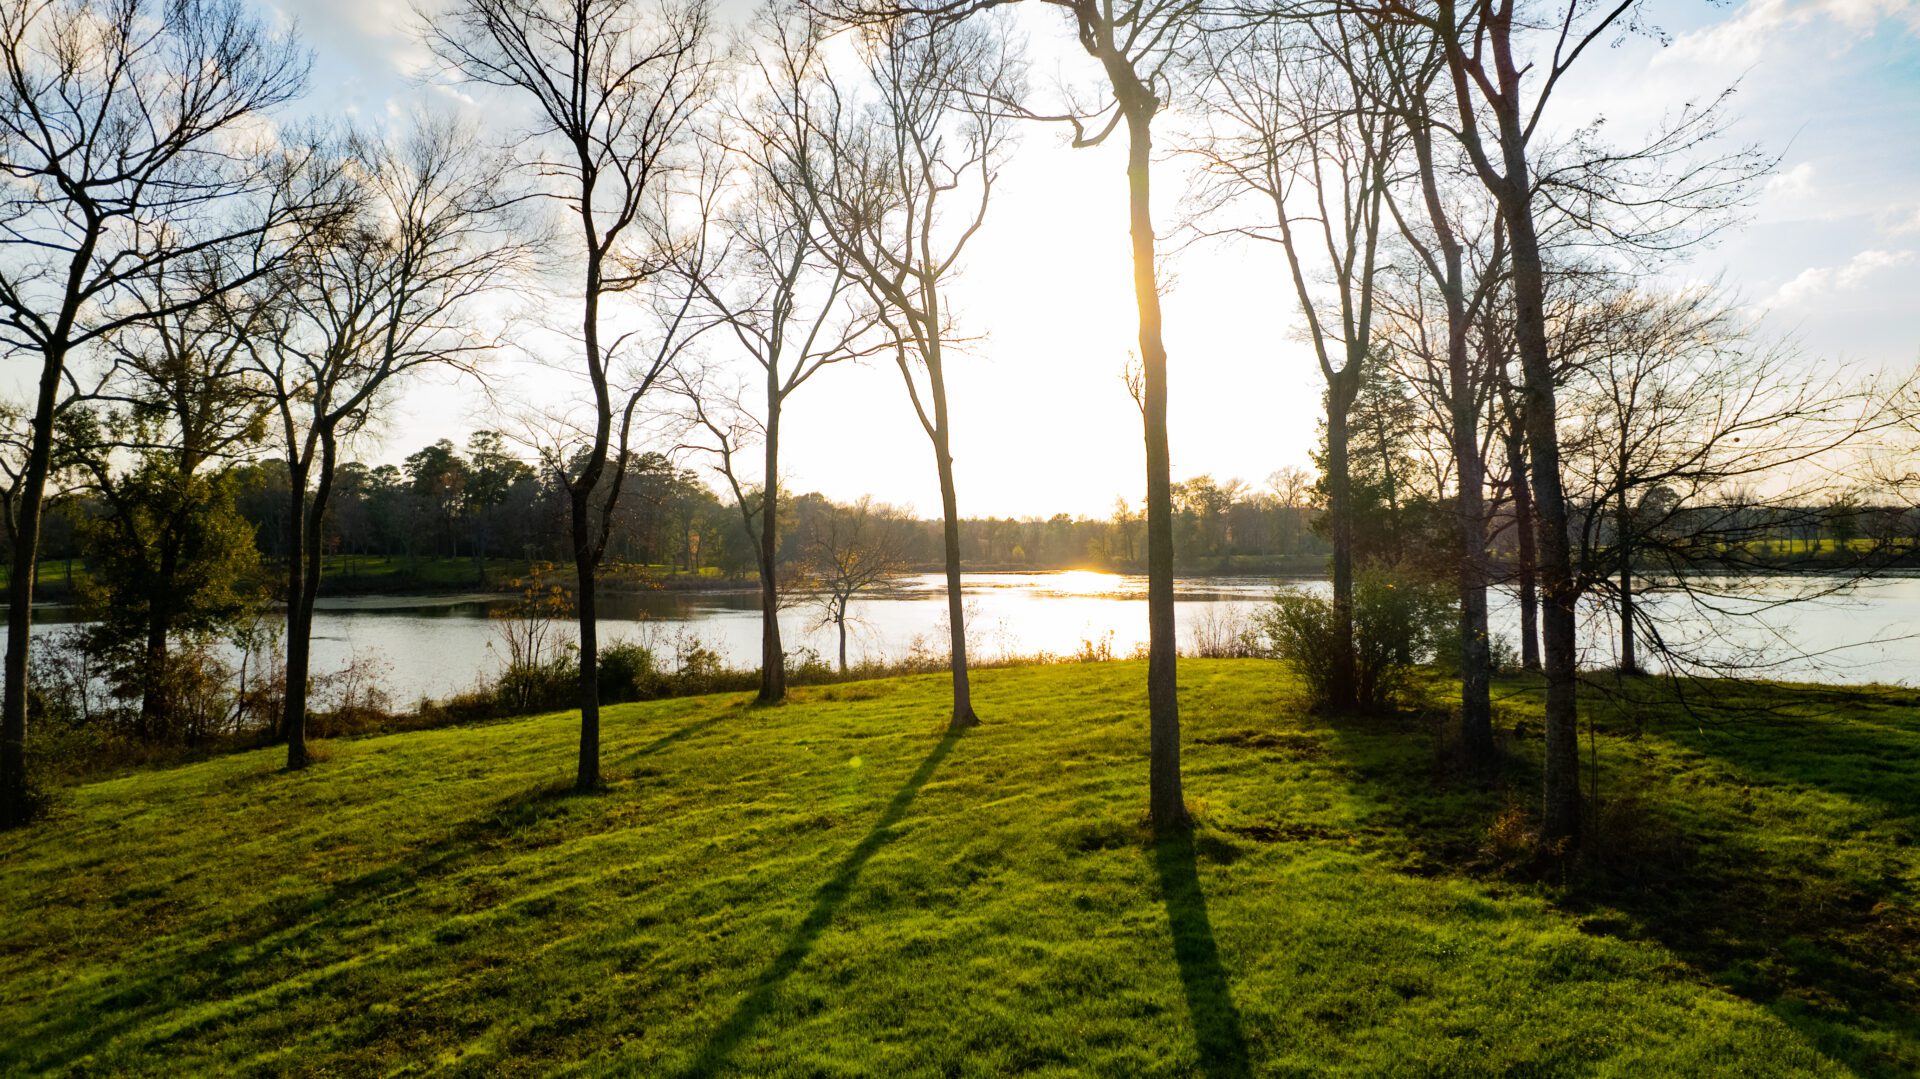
(1561, 779)
(1529, 596)
(1343, 689)
(154, 665)
(308, 518)
(963, 713)
(15, 801)
(773, 658)
(1629, 657)
(840, 623)
(587, 775)
(1166, 804)
(1476, 652)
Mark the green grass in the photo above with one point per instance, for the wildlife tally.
(836, 887)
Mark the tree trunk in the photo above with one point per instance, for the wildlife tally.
(1529, 597)
(587, 774)
(1561, 780)
(773, 658)
(1166, 804)
(303, 579)
(1476, 652)
(1629, 656)
(15, 802)
(840, 623)
(1343, 688)
(963, 713)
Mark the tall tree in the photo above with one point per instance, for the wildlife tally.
(921, 134)
(791, 307)
(385, 291)
(614, 88)
(1504, 60)
(1459, 250)
(1292, 129)
(124, 144)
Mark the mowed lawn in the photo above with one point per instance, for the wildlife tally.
(837, 887)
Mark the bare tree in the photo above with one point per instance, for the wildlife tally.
(1458, 246)
(123, 144)
(383, 292)
(1504, 60)
(1135, 44)
(1291, 129)
(850, 550)
(614, 87)
(1690, 440)
(791, 307)
(919, 136)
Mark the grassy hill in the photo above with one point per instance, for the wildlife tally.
(837, 887)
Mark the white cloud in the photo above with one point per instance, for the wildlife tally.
(1818, 280)
(1740, 41)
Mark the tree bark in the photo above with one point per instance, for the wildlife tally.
(303, 580)
(1629, 653)
(1166, 804)
(963, 713)
(1528, 590)
(773, 659)
(15, 801)
(1343, 687)
(1561, 778)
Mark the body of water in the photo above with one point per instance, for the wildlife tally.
(431, 646)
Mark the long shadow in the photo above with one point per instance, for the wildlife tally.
(224, 966)
(253, 941)
(759, 999)
(677, 735)
(1216, 1022)
(1860, 747)
(1689, 871)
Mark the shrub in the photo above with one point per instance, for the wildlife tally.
(1398, 621)
(628, 672)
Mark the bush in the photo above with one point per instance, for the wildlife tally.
(1398, 623)
(628, 672)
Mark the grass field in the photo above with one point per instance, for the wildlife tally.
(837, 887)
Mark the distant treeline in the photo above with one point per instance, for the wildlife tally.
(485, 504)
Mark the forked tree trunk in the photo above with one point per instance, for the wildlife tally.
(303, 584)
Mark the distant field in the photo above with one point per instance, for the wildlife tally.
(835, 887)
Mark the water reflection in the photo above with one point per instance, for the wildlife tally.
(435, 645)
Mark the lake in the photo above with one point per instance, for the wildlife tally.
(435, 645)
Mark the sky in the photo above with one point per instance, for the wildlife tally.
(1828, 254)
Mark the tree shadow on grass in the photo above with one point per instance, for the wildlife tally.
(1683, 867)
(1216, 1022)
(1855, 745)
(720, 1045)
(306, 926)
